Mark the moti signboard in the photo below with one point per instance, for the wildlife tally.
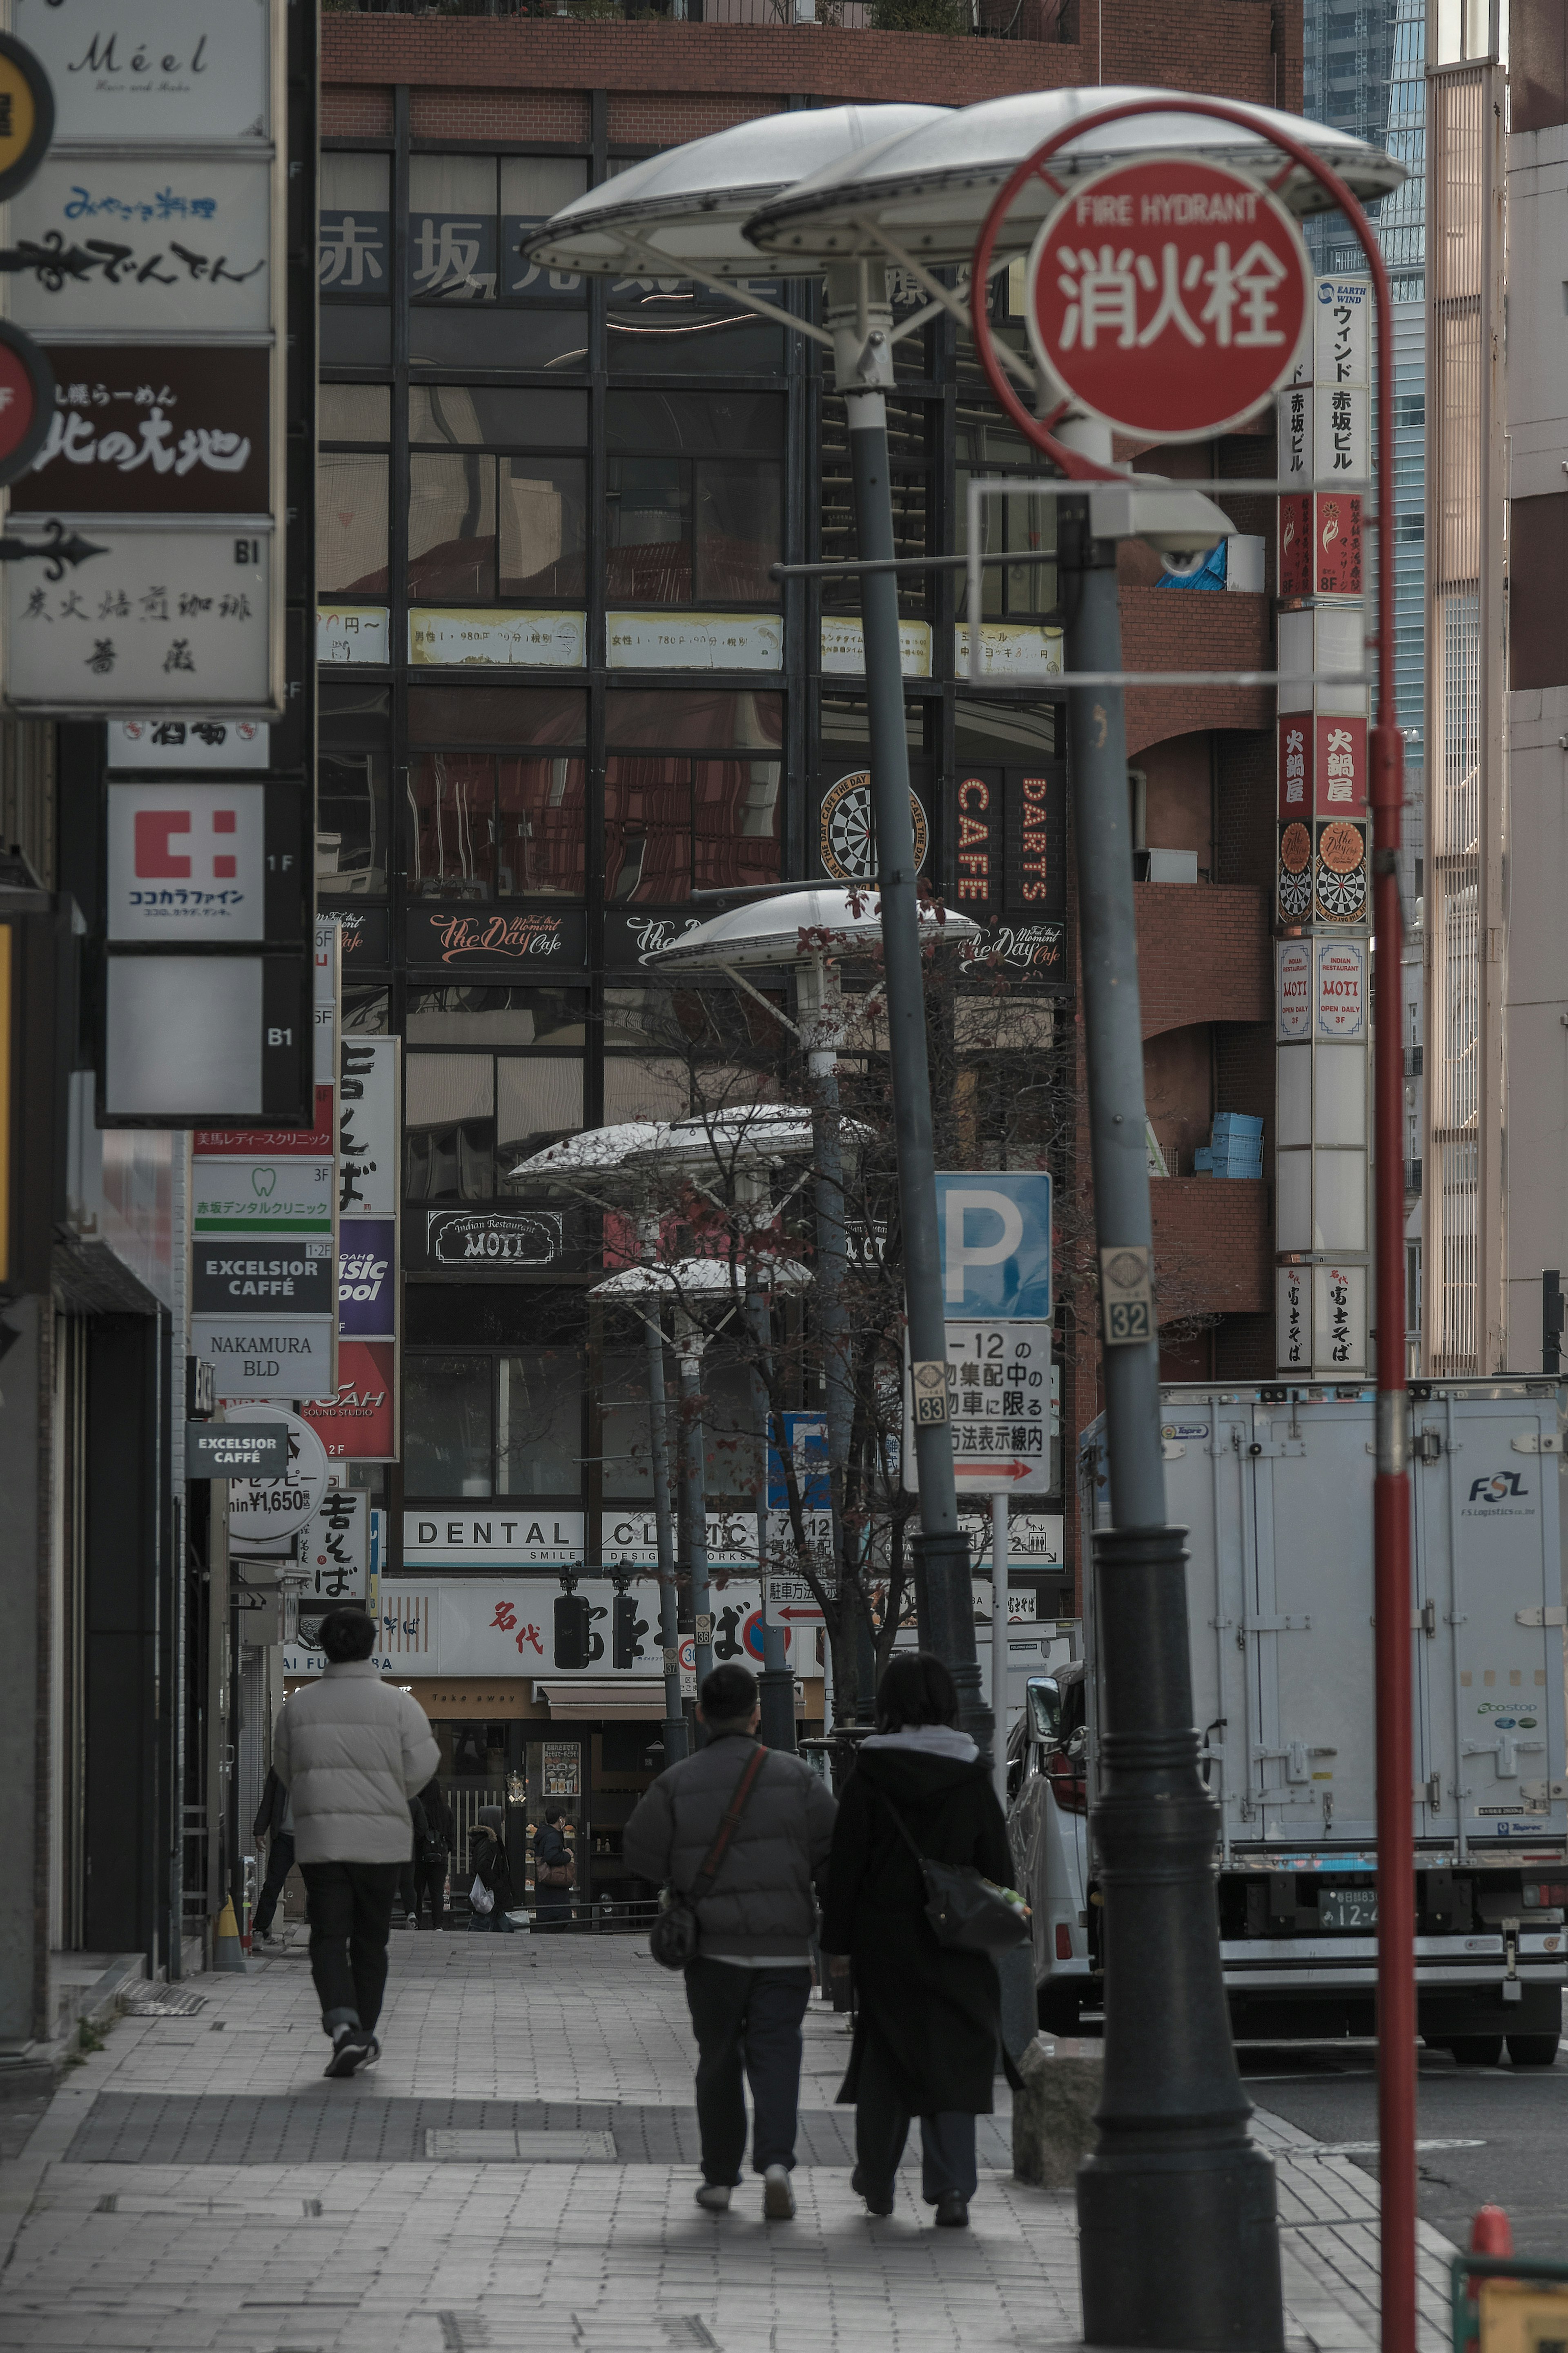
(1169, 296)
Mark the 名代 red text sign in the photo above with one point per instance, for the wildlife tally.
(1169, 296)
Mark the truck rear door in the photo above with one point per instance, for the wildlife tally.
(1306, 1631)
(1502, 1460)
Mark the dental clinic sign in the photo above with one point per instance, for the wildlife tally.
(1169, 296)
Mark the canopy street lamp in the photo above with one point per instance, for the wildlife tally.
(685, 211)
(812, 931)
(1178, 2236)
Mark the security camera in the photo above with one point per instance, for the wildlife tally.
(1180, 564)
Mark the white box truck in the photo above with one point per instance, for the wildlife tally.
(1274, 1487)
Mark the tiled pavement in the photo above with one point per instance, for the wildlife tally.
(197, 2185)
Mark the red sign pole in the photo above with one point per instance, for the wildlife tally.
(1397, 2009)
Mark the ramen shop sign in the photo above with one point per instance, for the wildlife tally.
(1168, 296)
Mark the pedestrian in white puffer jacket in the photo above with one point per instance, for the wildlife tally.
(351, 1751)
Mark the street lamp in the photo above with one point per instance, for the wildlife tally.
(812, 932)
(686, 1281)
(685, 212)
(1178, 2234)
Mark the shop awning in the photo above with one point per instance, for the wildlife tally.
(637, 1699)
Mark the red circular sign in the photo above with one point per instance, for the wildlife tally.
(26, 401)
(1168, 296)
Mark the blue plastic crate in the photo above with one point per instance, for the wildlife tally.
(1234, 1126)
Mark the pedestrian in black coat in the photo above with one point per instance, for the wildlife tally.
(928, 2018)
(488, 1861)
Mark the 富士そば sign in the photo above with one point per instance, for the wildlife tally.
(1169, 296)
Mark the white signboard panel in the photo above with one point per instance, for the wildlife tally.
(247, 1195)
(998, 1399)
(160, 619)
(334, 1549)
(352, 633)
(694, 642)
(1033, 1539)
(630, 1540)
(844, 649)
(367, 1126)
(281, 1357)
(187, 862)
(503, 1534)
(189, 244)
(165, 744)
(267, 1514)
(155, 71)
(1009, 650)
(496, 640)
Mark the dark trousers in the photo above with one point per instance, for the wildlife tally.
(881, 2127)
(430, 1879)
(349, 1905)
(749, 2019)
(552, 1908)
(279, 1862)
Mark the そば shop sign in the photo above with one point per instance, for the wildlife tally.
(1169, 295)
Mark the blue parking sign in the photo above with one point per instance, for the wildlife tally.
(994, 1230)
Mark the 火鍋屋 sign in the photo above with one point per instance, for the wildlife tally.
(1169, 295)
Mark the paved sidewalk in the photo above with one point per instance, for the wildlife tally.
(517, 2176)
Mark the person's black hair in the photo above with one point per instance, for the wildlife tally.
(551, 1816)
(347, 1635)
(729, 1695)
(916, 1688)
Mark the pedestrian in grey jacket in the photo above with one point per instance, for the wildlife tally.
(351, 1751)
(747, 1988)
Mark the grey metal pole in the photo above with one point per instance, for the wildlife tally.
(688, 1347)
(860, 317)
(1178, 2241)
(669, 1601)
(999, 1623)
(777, 1678)
(822, 1018)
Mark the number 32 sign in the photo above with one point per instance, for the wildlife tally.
(1169, 296)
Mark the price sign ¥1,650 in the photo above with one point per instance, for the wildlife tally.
(1169, 296)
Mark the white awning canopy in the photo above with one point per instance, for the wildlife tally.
(637, 1699)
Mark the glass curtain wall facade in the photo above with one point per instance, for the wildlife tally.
(559, 694)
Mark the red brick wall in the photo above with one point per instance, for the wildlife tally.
(1212, 1248)
(354, 111)
(499, 114)
(1178, 629)
(1203, 954)
(1206, 44)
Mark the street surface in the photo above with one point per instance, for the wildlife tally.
(1517, 2114)
(196, 2187)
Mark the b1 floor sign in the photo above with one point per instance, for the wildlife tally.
(994, 1230)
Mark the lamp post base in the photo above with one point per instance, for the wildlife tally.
(1180, 2247)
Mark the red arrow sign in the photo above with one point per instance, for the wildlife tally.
(812, 1613)
(972, 1470)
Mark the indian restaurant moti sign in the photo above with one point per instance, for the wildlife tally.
(1169, 296)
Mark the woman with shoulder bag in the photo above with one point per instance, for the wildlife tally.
(928, 2016)
(554, 1874)
(492, 1874)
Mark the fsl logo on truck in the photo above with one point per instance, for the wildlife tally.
(1497, 1488)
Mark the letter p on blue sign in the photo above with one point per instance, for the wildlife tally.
(995, 1234)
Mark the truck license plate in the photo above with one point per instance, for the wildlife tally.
(1347, 1907)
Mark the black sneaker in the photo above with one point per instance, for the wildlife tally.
(352, 2049)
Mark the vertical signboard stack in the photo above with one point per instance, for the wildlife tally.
(180, 331)
(1323, 895)
(357, 1421)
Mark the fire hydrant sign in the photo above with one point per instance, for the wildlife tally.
(1169, 296)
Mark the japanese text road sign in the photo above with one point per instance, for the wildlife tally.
(999, 1409)
(1169, 296)
(995, 1236)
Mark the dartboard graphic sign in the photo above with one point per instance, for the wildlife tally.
(845, 842)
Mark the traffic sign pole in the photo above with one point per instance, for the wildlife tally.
(1167, 295)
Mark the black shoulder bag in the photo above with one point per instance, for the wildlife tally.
(967, 1913)
(672, 1940)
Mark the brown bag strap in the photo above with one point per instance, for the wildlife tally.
(729, 1823)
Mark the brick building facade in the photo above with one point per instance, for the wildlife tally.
(502, 455)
